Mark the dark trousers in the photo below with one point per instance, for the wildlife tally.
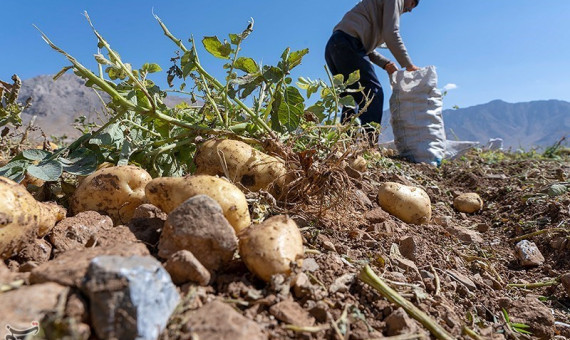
(345, 54)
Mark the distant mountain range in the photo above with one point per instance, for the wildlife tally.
(520, 125)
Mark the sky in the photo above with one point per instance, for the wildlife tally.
(516, 51)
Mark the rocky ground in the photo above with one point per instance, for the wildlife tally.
(468, 272)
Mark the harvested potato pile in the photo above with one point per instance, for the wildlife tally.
(22, 218)
(271, 247)
(115, 191)
(410, 204)
(245, 165)
(167, 193)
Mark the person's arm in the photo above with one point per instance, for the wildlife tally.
(378, 59)
(391, 33)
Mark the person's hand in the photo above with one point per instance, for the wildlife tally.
(412, 68)
(391, 68)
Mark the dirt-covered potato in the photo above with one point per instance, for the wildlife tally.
(245, 165)
(357, 163)
(116, 191)
(167, 193)
(22, 218)
(468, 203)
(410, 204)
(271, 247)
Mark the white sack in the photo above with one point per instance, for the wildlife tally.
(416, 108)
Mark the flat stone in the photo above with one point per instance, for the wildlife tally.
(376, 215)
(27, 304)
(465, 235)
(464, 280)
(219, 321)
(528, 254)
(292, 313)
(130, 297)
(69, 268)
(183, 267)
(199, 225)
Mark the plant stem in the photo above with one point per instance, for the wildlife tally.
(467, 331)
(535, 285)
(258, 121)
(368, 276)
(540, 232)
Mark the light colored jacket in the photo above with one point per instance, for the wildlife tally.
(375, 22)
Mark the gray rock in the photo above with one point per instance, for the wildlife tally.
(183, 267)
(528, 254)
(130, 297)
(219, 321)
(69, 268)
(199, 225)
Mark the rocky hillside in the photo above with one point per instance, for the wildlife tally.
(56, 104)
(520, 125)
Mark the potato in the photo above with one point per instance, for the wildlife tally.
(116, 191)
(410, 204)
(468, 203)
(357, 163)
(247, 166)
(271, 247)
(22, 218)
(167, 193)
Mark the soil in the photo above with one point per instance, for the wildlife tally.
(457, 269)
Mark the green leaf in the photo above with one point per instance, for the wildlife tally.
(347, 101)
(81, 162)
(126, 152)
(216, 48)
(235, 38)
(48, 171)
(353, 77)
(296, 57)
(318, 111)
(35, 154)
(151, 68)
(247, 65)
(291, 108)
(15, 169)
(272, 74)
(188, 63)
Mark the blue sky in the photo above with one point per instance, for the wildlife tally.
(483, 50)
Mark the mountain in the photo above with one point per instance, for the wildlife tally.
(520, 125)
(538, 123)
(56, 104)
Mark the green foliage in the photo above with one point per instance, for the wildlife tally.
(142, 130)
